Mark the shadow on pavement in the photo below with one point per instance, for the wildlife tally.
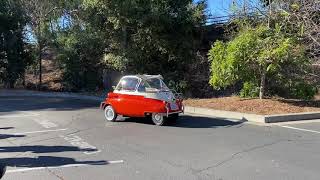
(146, 120)
(186, 121)
(10, 104)
(45, 161)
(6, 136)
(6, 128)
(42, 149)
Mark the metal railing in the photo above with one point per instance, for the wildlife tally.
(218, 20)
(227, 18)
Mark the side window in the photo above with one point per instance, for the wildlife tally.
(154, 83)
(142, 87)
(127, 84)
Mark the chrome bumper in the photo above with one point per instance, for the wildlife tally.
(170, 113)
(175, 112)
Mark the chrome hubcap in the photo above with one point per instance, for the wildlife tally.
(109, 114)
(157, 117)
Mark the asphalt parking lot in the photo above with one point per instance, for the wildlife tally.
(56, 138)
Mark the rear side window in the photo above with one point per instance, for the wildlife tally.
(127, 84)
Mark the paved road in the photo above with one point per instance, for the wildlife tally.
(52, 138)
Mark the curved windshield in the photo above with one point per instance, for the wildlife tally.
(127, 84)
(155, 84)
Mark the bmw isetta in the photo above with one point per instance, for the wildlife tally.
(143, 96)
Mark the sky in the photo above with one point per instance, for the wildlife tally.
(219, 7)
(222, 7)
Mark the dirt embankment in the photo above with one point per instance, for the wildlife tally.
(257, 106)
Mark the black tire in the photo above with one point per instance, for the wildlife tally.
(158, 119)
(110, 114)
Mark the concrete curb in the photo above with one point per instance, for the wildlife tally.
(225, 114)
(292, 117)
(253, 117)
(188, 109)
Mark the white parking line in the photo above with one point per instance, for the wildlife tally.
(90, 153)
(23, 114)
(301, 129)
(59, 167)
(45, 123)
(81, 143)
(44, 131)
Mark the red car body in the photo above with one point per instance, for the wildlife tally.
(139, 106)
(142, 95)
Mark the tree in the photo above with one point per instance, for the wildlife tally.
(254, 55)
(79, 54)
(41, 13)
(305, 16)
(13, 54)
(158, 37)
(298, 16)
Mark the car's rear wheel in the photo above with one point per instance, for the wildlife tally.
(158, 119)
(110, 113)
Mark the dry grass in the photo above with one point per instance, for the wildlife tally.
(256, 106)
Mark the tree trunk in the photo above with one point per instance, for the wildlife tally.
(11, 84)
(24, 79)
(40, 58)
(125, 37)
(270, 13)
(40, 69)
(262, 83)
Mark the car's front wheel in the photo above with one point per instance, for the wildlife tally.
(110, 114)
(158, 119)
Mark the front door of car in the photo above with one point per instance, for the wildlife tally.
(127, 100)
(129, 104)
(138, 105)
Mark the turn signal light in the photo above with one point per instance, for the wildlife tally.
(112, 95)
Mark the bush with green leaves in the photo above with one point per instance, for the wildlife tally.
(256, 55)
(148, 37)
(249, 90)
(80, 54)
(179, 86)
(14, 54)
(302, 90)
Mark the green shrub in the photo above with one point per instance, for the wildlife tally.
(301, 90)
(178, 86)
(249, 90)
(259, 54)
(80, 54)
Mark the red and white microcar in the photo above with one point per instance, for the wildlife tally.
(142, 96)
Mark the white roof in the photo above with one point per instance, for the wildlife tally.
(145, 76)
